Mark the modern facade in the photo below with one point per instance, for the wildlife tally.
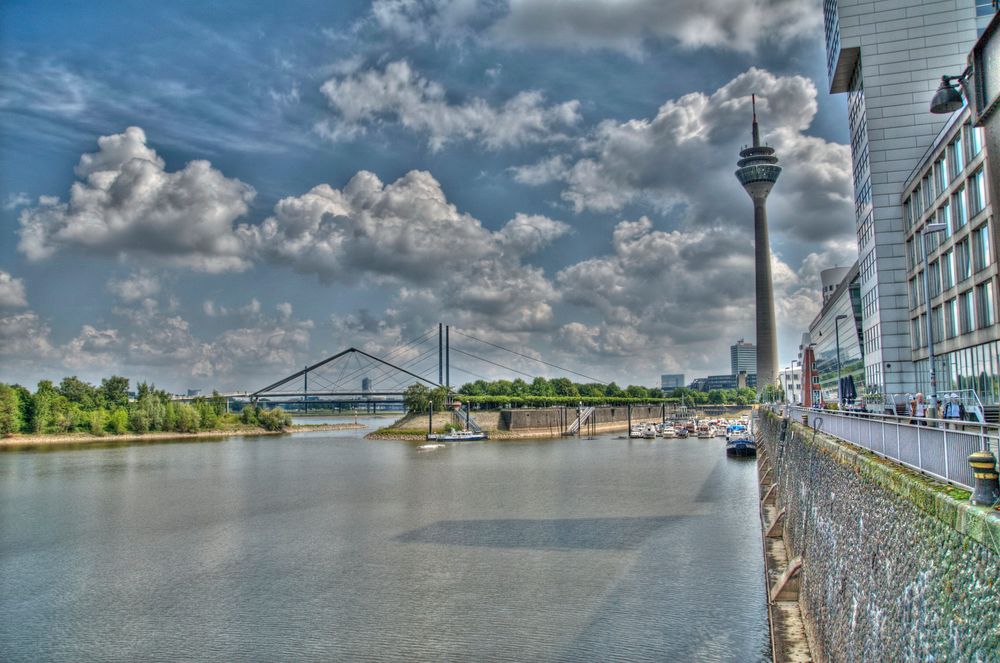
(836, 341)
(670, 381)
(757, 171)
(743, 357)
(728, 382)
(888, 56)
(950, 186)
(830, 279)
(790, 379)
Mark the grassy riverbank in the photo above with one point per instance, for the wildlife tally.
(22, 441)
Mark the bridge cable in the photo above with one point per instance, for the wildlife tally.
(521, 354)
(508, 368)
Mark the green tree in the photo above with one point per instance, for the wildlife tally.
(716, 396)
(564, 387)
(10, 410)
(274, 419)
(114, 391)
(188, 420)
(636, 391)
(26, 405)
(77, 391)
(98, 421)
(613, 390)
(44, 396)
(541, 387)
(519, 388)
(438, 396)
(118, 421)
(416, 397)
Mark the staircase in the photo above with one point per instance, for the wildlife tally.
(992, 414)
(467, 422)
(585, 414)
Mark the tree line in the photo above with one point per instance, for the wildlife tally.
(542, 392)
(78, 406)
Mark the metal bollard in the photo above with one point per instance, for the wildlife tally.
(987, 492)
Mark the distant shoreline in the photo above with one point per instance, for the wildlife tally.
(22, 441)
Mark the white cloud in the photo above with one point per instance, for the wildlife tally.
(12, 293)
(15, 200)
(581, 25)
(684, 158)
(739, 25)
(127, 204)
(399, 94)
(136, 286)
(24, 337)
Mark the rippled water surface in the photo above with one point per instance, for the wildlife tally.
(323, 547)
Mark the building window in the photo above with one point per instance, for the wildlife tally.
(918, 202)
(981, 247)
(968, 311)
(940, 182)
(963, 260)
(956, 157)
(937, 321)
(974, 138)
(947, 271)
(977, 192)
(951, 318)
(961, 214)
(928, 187)
(916, 333)
(984, 304)
(944, 216)
(934, 278)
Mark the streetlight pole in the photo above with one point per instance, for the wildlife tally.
(926, 230)
(836, 326)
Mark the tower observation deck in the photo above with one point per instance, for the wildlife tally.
(757, 171)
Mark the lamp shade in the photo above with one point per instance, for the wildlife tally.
(947, 99)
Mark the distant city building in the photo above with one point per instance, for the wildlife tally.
(726, 382)
(887, 57)
(698, 384)
(194, 392)
(366, 385)
(835, 338)
(950, 186)
(670, 381)
(830, 279)
(743, 357)
(790, 379)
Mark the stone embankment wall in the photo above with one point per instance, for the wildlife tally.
(893, 567)
(558, 418)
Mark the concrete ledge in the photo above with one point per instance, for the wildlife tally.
(981, 524)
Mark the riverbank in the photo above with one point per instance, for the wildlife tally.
(73, 439)
(413, 427)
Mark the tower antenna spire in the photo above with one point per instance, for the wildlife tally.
(756, 131)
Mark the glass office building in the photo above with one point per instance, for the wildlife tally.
(838, 325)
(950, 187)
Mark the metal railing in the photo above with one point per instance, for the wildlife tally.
(937, 447)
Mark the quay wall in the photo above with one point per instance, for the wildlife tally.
(558, 418)
(894, 566)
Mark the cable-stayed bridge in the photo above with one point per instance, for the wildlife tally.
(353, 377)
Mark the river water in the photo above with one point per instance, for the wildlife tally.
(320, 546)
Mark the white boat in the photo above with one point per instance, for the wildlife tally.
(429, 447)
(457, 436)
(669, 432)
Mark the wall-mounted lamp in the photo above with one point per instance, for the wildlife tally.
(948, 98)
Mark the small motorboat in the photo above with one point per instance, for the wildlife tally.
(741, 444)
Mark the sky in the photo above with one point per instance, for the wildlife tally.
(213, 195)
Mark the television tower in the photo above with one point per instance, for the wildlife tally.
(757, 172)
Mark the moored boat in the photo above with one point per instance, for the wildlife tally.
(457, 436)
(741, 445)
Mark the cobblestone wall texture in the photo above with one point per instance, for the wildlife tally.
(893, 568)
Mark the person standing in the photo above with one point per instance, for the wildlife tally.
(954, 410)
(920, 410)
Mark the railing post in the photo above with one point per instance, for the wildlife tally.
(881, 425)
(920, 457)
(946, 474)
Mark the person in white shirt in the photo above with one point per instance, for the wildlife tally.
(920, 410)
(954, 410)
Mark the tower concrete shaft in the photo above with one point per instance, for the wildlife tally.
(757, 172)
